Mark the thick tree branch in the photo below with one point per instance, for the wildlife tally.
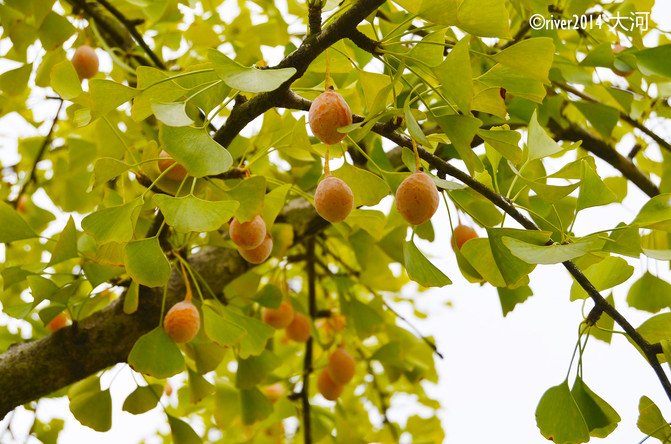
(106, 337)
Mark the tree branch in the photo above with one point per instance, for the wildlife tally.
(300, 59)
(40, 154)
(444, 168)
(106, 337)
(624, 116)
(122, 38)
(307, 360)
(382, 395)
(607, 153)
(133, 32)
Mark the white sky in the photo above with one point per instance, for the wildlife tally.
(495, 369)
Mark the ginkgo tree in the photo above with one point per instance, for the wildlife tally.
(169, 193)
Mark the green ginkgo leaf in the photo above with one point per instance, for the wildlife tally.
(250, 194)
(651, 422)
(253, 370)
(65, 81)
(195, 150)
(246, 79)
(220, 330)
(539, 143)
(189, 213)
(593, 192)
(107, 96)
(421, 270)
(559, 418)
(182, 433)
(650, 293)
(257, 336)
(549, 254)
(66, 245)
(142, 399)
(156, 355)
(13, 227)
(608, 273)
(600, 417)
(368, 188)
(91, 406)
(656, 213)
(171, 114)
(455, 75)
(254, 406)
(533, 57)
(199, 387)
(107, 168)
(146, 263)
(113, 224)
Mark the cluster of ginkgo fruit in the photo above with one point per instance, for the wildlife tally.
(417, 200)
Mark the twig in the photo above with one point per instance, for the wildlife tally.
(382, 395)
(607, 153)
(649, 350)
(94, 11)
(624, 116)
(506, 205)
(40, 154)
(130, 26)
(351, 270)
(307, 361)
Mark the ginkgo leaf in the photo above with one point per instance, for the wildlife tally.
(113, 224)
(195, 150)
(246, 79)
(157, 355)
(171, 114)
(559, 418)
(13, 227)
(189, 213)
(146, 263)
(421, 270)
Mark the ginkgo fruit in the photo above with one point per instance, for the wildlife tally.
(417, 198)
(328, 389)
(85, 60)
(341, 366)
(58, 322)
(299, 329)
(182, 322)
(259, 254)
(178, 172)
(328, 112)
(333, 199)
(278, 318)
(462, 234)
(248, 235)
(274, 391)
